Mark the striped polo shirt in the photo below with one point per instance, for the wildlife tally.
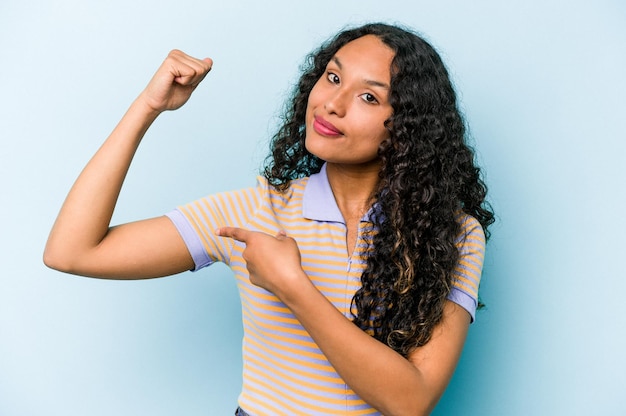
(284, 371)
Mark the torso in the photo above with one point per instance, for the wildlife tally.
(352, 232)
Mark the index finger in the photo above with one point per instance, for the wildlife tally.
(236, 233)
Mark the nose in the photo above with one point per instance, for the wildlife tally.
(337, 102)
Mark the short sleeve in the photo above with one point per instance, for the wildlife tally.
(197, 221)
(199, 254)
(467, 274)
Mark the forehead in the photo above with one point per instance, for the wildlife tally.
(368, 54)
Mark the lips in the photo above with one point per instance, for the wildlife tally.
(325, 128)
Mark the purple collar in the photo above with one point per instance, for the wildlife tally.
(319, 201)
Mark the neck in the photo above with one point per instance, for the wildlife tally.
(353, 187)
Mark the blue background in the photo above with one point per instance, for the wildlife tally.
(542, 84)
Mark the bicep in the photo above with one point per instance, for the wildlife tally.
(141, 249)
(437, 359)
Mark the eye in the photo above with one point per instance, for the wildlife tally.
(333, 78)
(369, 98)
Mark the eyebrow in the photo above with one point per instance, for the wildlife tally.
(367, 81)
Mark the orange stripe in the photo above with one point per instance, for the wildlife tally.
(312, 397)
(252, 340)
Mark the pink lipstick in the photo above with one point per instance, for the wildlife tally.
(325, 128)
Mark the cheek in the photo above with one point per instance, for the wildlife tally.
(372, 127)
(384, 132)
(313, 99)
(310, 105)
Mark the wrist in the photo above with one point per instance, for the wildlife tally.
(299, 288)
(143, 107)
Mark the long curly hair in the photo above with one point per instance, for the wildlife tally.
(427, 178)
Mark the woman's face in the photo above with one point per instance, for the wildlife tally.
(349, 104)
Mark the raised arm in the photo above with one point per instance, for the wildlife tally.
(81, 241)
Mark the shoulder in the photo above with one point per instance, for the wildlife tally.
(471, 245)
(293, 192)
(471, 232)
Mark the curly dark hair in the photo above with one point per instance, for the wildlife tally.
(427, 178)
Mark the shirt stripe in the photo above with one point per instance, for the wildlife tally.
(285, 372)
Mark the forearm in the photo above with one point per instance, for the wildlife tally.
(84, 218)
(379, 375)
(389, 382)
(81, 240)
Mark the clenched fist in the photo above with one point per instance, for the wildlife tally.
(175, 80)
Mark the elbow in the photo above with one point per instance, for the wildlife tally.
(413, 406)
(420, 410)
(52, 261)
(55, 259)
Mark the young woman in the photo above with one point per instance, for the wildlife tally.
(357, 255)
